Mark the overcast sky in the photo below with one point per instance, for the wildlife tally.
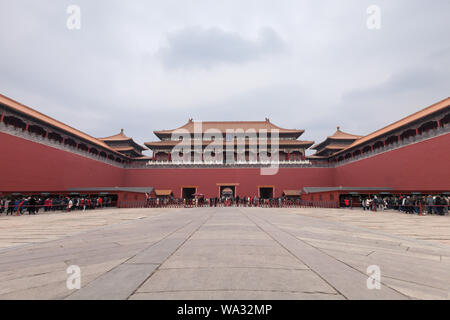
(150, 65)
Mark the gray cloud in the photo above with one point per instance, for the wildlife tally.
(413, 79)
(199, 47)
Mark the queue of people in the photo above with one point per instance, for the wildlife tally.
(225, 202)
(409, 204)
(33, 204)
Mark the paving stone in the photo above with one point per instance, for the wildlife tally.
(225, 253)
(118, 284)
(234, 295)
(232, 256)
(346, 280)
(256, 279)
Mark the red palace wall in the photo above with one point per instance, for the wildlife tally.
(420, 166)
(30, 166)
(248, 179)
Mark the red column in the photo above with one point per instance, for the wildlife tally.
(26, 127)
(417, 131)
(2, 116)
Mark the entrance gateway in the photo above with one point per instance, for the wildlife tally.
(227, 191)
(188, 192)
(266, 192)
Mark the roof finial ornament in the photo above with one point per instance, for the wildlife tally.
(191, 119)
(121, 131)
(338, 128)
(267, 119)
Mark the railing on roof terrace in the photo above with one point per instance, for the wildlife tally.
(397, 144)
(281, 164)
(202, 164)
(18, 132)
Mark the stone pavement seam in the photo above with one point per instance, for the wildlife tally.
(124, 262)
(325, 254)
(295, 256)
(157, 268)
(244, 290)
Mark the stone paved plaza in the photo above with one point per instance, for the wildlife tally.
(225, 253)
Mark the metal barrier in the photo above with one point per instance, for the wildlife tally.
(264, 203)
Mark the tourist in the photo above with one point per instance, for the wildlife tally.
(429, 202)
(369, 203)
(10, 209)
(363, 204)
(346, 203)
(446, 203)
(31, 205)
(18, 206)
(69, 204)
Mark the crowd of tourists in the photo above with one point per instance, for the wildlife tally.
(410, 204)
(33, 204)
(224, 202)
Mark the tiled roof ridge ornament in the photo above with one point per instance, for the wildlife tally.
(267, 119)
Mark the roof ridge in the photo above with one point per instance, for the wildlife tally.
(191, 122)
(62, 125)
(375, 133)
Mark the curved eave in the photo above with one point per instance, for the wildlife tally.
(138, 146)
(142, 158)
(170, 143)
(222, 126)
(402, 123)
(115, 138)
(331, 139)
(52, 123)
